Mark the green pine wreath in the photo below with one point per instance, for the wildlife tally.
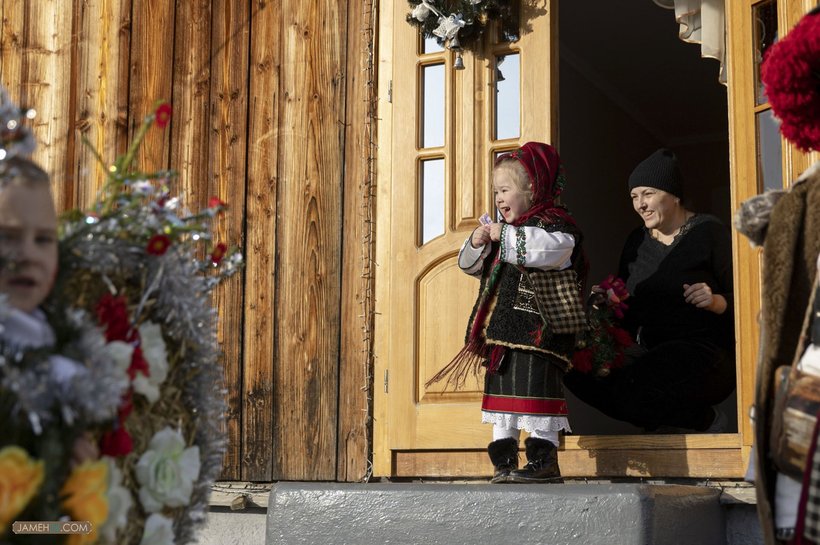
(462, 23)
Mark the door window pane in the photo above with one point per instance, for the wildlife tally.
(430, 45)
(764, 18)
(432, 106)
(507, 96)
(431, 187)
(769, 164)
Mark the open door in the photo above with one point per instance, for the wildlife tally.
(440, 129)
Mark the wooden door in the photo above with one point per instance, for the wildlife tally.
(439, 130)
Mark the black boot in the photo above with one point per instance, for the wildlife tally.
(542, 463)
(504, 456)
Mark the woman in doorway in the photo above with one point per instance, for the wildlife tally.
(678, 270)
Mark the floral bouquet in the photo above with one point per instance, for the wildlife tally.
(132, 313)
(604, 344)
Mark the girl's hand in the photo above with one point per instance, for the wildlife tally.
(701, 296)
(481, 236)
(495, 231)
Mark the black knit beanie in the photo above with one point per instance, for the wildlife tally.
(660, 170)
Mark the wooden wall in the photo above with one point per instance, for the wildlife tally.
(272, 111)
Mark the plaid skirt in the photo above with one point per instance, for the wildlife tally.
(527, 384)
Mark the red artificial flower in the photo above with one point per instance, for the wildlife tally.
(791, 74)
(216, 202)
(163, 115)
(582, 360)
(116, 442)
(621, 336)
(138, 364)
(219, 252)
(618, 361)
(112, 312)
(158, 244)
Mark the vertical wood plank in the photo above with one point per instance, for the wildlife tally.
(102, 52)
(152, 56)
(46, 85)
(309, 241)
(191, 99)
(357, 302)
(260, 267)
(11, 47)
(230, 28)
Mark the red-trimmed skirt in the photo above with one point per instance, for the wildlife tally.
(527, 383)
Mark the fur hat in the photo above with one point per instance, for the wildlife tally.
(660, 170)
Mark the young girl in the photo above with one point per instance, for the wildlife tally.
(524, 357)
(28, 251)
(28, 268)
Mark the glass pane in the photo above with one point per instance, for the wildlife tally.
(764, 18)
(508, 33)
(430, 45)
(769, 165)
(432, 199)
(432, 106)
(507, 96)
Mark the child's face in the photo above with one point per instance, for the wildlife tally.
(28, 244)
(510, 200)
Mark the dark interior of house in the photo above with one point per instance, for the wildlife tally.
(628, 86)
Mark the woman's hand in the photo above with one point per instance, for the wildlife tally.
(701, 296)
(481, 236)
(597, 296)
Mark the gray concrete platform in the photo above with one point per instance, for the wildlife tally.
(467, 514)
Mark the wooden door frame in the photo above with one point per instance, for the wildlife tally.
(691, 455)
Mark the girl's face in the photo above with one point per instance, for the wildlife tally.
(510, 199)
(28, 244)
(656, 207)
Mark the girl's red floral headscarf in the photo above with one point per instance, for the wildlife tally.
(543, 165)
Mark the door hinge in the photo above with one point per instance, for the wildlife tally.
(390, 91)
(386, 380)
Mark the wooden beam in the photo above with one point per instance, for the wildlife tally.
(228, 134)
(711, 463)
(46, 81)
(357, 247)
(310, 160)
(260, 268)
(151, 65)
(102, 48)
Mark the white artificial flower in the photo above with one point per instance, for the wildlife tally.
(166, 471)
(143, 187)
(448, 27)
(474, 2)
(119, 503)
(120, 352)
(159, 530)
(420, 12)
(156, 356)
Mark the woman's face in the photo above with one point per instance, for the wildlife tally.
(656, 207)
(510, 200)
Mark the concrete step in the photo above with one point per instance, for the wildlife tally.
(468, 514)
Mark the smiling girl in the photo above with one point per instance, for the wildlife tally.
(524, 356)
